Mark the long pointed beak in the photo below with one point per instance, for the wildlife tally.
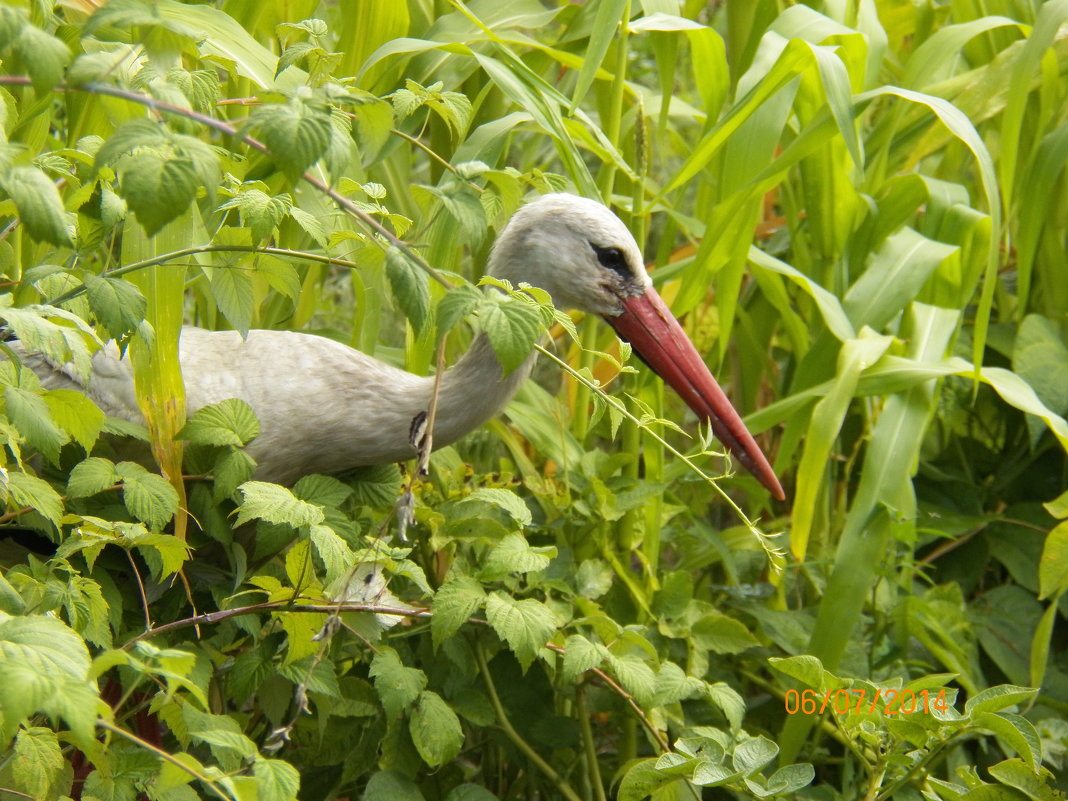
(647, 323)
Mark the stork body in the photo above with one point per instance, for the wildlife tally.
(324, 407)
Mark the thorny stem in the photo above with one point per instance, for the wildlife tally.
(506, 726)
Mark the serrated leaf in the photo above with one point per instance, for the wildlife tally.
(388, 785)
(335, 552)
(323, 490)
(513, 554)
(722, 634)
(296, 133)
(56, 333)
(118, 304)
(158, 187)
(435, 730)
(580, 655)
(261, 212)
(635, 675)
(455, 306)
(673, 685)
(232, 289)
(230, 472)
(275, 504)
(37, 761)
(76, 414)
(513, 327)
(43, 668)
(276, 780)
(506, 500)
(148, 496)
(45, 57)
(29, 413)
(526, 625)
(397, 686)
(454, 602)
(729, 701)
(217, 731)
(91, 476)
(376, 486)
(36, 493)
(229, 422)
(39, 205)
(409, 285)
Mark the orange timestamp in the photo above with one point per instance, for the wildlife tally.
(895, 702)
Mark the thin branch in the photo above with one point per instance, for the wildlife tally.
(166, 757)
(227, 129)
(506, 726)
(140, 589)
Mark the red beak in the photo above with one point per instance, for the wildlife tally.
(647, 323)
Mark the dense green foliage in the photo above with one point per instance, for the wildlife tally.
(857, 210)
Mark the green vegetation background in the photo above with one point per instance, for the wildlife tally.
(856, 207)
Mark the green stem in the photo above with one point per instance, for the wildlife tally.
(166, 757)
(582, 714)
(506, 726)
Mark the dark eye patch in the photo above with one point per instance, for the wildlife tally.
(612, 259)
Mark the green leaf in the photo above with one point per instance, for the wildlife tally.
(409, 285)
(994, 699)
(91, 476)
(388, 785)
(397, 686)
(507, 500)
(376, 486)
(39, 205)
(513, 554)
(275, 504)
(636, 676)
(642, 779)
(276, 780)
(296, 133)
(117, 303)
(1014, 730)
(76, 414)
(513, 327)
(526, 625)
(336, 555)
(751, 755)
(228, 422)
(43, 668)
(323, 490)
(36, 493)
(260, 212)
(454, 602)
(455, 306)
(580, 655)
(435, 730)
(45, 57)
(729, 701)
(789, 779)
(231, 471)
(30, 415)
(158, 186)
(1053, 566)
(722, 634)
(38, 762)
(148, 496)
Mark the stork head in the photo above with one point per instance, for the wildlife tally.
(576, 250)
(579, 252)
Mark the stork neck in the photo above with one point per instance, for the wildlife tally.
(474, 390)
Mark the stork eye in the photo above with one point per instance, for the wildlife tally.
(612, 259)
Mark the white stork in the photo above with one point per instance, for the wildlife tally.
(326, 408)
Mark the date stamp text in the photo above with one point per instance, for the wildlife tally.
(842, 702)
